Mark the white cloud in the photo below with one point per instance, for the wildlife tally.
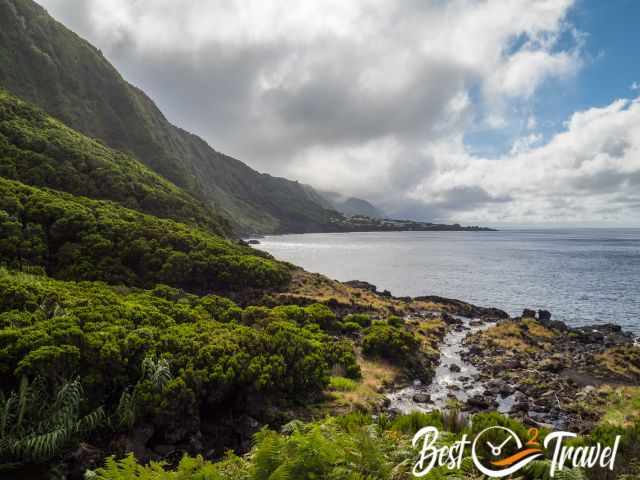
(588, 172)
(375, 97)
(635, 86)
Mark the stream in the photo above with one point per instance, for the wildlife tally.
(447, 384)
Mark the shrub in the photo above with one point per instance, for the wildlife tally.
(104, 334)
(350, 328)
(389, 342)
(361, 319)
(395, 321)
(341, 357)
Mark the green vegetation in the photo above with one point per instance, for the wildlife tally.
(207, 356)
(80, 239)
(36, 425)
(342, 384)
(38, 150)
(116, 326)
(390, 342)
(351, 447)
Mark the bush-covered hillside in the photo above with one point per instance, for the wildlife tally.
(76, 238)
(38, 150)
(162, 358)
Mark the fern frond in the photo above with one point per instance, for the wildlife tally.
(572, 474)
(23, 398)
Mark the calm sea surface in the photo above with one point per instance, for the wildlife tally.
(583, 276)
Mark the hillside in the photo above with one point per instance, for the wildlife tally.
(351, 206)
(76, 238)
(39, 150)
(45, 63)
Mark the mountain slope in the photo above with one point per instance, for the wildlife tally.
(39, 150)
(45, 63)
(351, 206)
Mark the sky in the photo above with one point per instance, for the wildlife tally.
(522, 112)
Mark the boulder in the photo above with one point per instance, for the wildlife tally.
(528, 313)
(137, 440)
(85, 457)
(544, 315)
(481, 402)
(422, 398)
(454, 368)
(520, 403)
(450, 320)
(362, 285)
(511, 364)
(553, 364)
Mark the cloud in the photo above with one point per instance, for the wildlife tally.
(376, 98)
(635, 86)
(588, 172)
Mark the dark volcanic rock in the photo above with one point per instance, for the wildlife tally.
(528, 313)
(421, 398)
(464, 309)
(362, 285)
(481, 402)
(544, 315)
(449, 320)
(85, 457)
(454, 368)
(137, 441)
(552, 370)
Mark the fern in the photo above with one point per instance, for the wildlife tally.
(35, 427)
(572, 474)
(158, 373)
(126, 410)
(541, 470)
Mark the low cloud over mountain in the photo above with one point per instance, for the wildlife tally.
(385, 100)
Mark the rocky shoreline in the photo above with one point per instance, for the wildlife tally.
(552, 371)
(538, 370)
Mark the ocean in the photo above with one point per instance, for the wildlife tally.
(582, 276)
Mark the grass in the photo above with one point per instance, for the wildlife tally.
(536, 329)
(363, 395)
(308, 287)
(510, 335)
(622, 406)
(342, 384)
(622, 361)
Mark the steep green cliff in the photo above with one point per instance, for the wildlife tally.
(45, 63)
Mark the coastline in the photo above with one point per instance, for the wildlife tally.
(558, 270)
(537, 370)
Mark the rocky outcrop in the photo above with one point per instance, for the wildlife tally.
(458, 307)
(547, 368)
(362, 285)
